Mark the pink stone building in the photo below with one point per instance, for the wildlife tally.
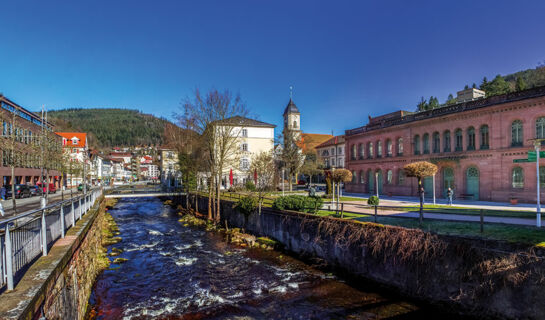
(473, 143)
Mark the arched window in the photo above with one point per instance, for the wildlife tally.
(389, 176)
(354, 177)
(389, 148)
(400, 146)
(417, 144)
(484, 137)
(518, 177)
(459, 140)
(516, 133)
(471, 138)
(370, 150)
(294, 123)
(400, 176)
(361, 151)
(379, 149)
(540, 128)
(426, 143)
(362, 177)
(353, 152)
(436, 142)
(446, 141)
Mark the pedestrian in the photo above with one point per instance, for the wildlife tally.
(449, 196)
(3, 193)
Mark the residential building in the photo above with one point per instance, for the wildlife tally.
(26, 127)
(475, 144)
(170, 168)
(76, 149)
(332, 152)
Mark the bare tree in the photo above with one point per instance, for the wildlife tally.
(264, 168)
(312, 166)
(291, 157)
(213, 117)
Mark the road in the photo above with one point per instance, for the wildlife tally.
(31, 203)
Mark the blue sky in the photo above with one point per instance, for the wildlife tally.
(346, 59)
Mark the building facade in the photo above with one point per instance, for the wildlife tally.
(75, 149)
(474, 144)
(170, 167)
(332, 152)
(19, 145)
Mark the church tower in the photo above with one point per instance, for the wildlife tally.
(292, 118)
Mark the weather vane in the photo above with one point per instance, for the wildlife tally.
(291, 92)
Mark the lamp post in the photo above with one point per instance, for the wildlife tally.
(537, 146)
(376, 182)
(283, 182)
(433, 188)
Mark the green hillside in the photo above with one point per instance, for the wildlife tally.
(112, 127)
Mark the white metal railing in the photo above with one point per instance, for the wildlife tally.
(28, 235)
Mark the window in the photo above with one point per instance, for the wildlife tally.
(471, 138)
(5, 128)
(332, 151)
(244, 147)
(459, 140)
(446, 139)
(388, 148)
(370, 150)
(340, 150)
(361, 151)
(326, 163)
(353, 153)
(244, 164)
(436, 142)
(389, 176)
(516, 133)
(362, 177)
(426, 143)
(354, 177)
(400, 146)
(325, 153)
(333, 162)
(518, 178)
(400, 176)
(244, 132)
(542, 176)
(379, 149)
(540, 129)
(416, 144)
(484, 137)
(295, 123)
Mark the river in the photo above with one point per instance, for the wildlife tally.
(177, 272)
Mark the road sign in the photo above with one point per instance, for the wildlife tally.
(523, 160)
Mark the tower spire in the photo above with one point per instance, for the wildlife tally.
(291, 92)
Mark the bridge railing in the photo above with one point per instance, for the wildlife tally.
(29, 235)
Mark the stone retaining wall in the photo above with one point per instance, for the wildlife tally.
(489, 279)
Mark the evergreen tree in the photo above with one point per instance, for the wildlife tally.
(497, 86)
(433, 103)
(422, 105)
(466, 87)
(450, 99)
(474, 85)
(484, 83)
(520, 84)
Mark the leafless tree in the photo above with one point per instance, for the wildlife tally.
(292, 157)
(264, 168)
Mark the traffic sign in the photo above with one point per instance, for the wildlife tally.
(523, 160)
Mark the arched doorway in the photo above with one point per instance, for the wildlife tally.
(379, 181)
(428, 187)
(472, 182)
(448, 180)
(370, 182)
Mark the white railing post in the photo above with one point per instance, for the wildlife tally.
(73, 212)
(9, 258)
(61, 215)
(44, 234)
(80, 208)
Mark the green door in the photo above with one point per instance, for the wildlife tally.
(472, 182)
(448, 180)
(428, 187)
(379, 182)
(370, 182)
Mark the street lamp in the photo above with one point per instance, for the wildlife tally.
(537, 146)
(376, 182)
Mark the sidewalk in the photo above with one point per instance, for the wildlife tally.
(28, 204)
(414, 201)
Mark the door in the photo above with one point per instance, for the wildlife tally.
(370, 182)
(428, 187)
(448, 180)
(379, 181)
(472, 182)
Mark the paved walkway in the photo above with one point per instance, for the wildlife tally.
(414, 201)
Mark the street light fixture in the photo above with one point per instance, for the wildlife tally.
(537, 146)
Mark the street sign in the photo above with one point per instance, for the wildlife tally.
(532, 157)
(523, 160)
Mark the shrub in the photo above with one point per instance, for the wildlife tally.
(246, 205)
(298, 203)
(373, 201)
(250, 186)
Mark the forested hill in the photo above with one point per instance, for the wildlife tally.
(112, 127)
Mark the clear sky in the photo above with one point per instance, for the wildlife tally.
(346, 59)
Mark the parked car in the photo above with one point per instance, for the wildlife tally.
(21, 191)
(35, 191)
(52, 188)
(80, 187)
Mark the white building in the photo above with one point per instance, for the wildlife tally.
(170, 168)
(332, 152)
(75, 149)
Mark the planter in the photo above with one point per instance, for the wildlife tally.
(514, 201)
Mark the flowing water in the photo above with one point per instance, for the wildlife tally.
(177, 272)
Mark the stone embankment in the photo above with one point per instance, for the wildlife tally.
(487, 279)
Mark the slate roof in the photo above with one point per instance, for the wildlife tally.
(291, 108)
(247, 122)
